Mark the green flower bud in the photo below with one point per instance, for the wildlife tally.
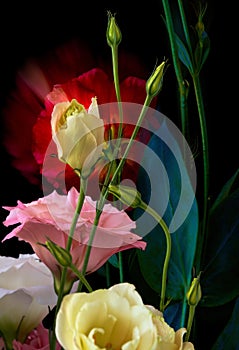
(127, 195)
(194, 294)
(62, 256)
(155, 82)
(113, 33)
(200, 25)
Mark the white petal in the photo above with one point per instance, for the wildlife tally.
(93, 109)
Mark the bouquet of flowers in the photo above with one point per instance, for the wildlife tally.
(122, 254)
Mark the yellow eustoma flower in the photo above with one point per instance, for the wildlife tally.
(78, 134)
(114, 319)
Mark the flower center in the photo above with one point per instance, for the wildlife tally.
(74, 109)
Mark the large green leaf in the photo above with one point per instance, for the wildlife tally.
(226, 190)
(229, 338)
(168, 189)
(220, 275)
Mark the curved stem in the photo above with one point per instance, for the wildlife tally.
(162, 223)
(81, 277)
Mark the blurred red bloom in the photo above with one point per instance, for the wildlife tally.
(68, 72)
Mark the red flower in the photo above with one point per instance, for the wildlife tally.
(66, 73)
(33, 82)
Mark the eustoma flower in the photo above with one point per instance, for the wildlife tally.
(79, 135)
(26, 294)
(94, 83)
(50, 217)
(114, 318)
(82, 75)
(38, 339)
(34, 81)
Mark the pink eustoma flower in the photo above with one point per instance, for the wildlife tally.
(38, 339)
(50, 217)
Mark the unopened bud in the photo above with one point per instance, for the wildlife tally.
(200, 25)
(155, 82)
(113, 33)
(200, 28)
(194, 294)
(127, 195)
(62, 256)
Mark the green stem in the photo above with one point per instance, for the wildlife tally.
(163, 225)
(80, 202)
(201, 243)
(89, 244)
(121, 270)
(114, 51)
(182, 84)
(81, 277)
(83, 186)
(104, 194)
(185, 26)
(190, 321)
(120, 129)
(107, 269)
(183, 313)
(134, 134)
(202, 118)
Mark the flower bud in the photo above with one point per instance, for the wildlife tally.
(62, 256)
(194, 294)
(155, 82)
(78, 134)
(127, 195)
(113, 33)
(200, 25)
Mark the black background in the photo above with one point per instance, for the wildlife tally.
(29, 29)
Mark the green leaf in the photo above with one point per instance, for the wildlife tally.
(220, 275)
(184, 55)
(229, 338)
(202, 51)
(113, 260)
(172, 196)
(226, 190)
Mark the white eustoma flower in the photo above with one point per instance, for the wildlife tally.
(26, 294)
